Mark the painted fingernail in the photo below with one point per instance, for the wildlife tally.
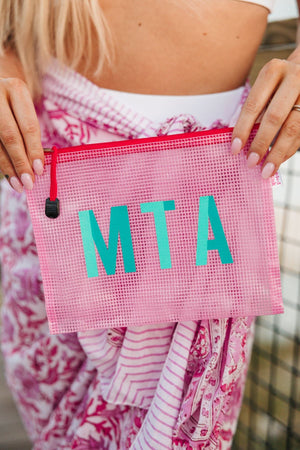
(16, 184)
(38, 166)
(236, 146)
(27, 181)
(268, 170)
(252, 160)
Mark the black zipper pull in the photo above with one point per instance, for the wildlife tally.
(52, 203)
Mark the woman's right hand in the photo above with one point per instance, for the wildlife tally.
(21, 151)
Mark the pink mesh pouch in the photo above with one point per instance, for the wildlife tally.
(155, 230)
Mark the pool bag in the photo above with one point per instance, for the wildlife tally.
(161, 229)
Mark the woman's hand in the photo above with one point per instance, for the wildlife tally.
(274, 94)
(21, 152)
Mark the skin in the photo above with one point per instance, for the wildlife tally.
(173, 51)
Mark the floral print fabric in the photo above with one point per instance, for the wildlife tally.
(166, 386)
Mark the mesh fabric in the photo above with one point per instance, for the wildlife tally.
(182, 168)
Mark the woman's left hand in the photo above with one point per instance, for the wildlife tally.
(274, 93)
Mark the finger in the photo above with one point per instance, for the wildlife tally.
(273, 119)
(261, 92)
(8, 170)
(27, 121)
(12, 142)
(285, 146)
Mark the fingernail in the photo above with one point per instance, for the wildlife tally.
(236, 146)
(16, 184)
(268, 170)
(27, 181)
(38, 166)
(252, 160)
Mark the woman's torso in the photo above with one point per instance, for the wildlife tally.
(178, 47)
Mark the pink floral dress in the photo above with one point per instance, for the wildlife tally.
(166, 386)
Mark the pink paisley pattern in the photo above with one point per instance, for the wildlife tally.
(167, 386)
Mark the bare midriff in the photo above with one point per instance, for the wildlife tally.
(171, 48)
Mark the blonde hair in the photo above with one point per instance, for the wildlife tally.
(69, 30)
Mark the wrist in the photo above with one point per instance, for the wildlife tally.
(295, 55)
(10, 66)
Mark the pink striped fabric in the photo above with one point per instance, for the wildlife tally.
(166, 386)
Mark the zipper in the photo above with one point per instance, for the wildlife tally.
(52, 208)
(131, 143)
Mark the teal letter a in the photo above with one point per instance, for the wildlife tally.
(208, 212)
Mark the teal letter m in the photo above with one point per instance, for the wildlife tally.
(92, 236)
